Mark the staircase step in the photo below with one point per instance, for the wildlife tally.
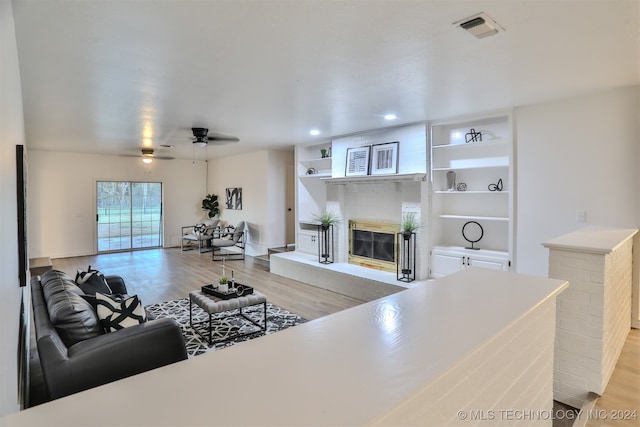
(287, 248)
(262, 260)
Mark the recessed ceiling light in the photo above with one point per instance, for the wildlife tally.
(314, 132)
(389, 116)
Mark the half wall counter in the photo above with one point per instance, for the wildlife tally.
(475, 343)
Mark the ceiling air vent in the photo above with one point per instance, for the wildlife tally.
(480, 25)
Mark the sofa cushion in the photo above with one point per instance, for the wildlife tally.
(116, 313)
(72, 316)
(92, 281)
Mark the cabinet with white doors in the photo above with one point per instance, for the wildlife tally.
(448, 260)
(472, 167)
(307, 241)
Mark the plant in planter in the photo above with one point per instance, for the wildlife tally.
(223, 284)
(409, 223)
(406, 266)
(210, 203)
(326, 218)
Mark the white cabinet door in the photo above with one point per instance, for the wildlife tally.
(445, 263)
(307, 242)
(486, 263)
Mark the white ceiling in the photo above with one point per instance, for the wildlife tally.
(103, 76)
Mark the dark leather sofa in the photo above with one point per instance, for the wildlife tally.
(75, 352)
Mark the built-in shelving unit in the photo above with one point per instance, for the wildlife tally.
(482, 190)
(312, 169)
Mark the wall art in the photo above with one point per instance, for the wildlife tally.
(384, 158)
(234, 198)
(357, 161)
(21, 202)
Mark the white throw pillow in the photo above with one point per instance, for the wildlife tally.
(115, 315)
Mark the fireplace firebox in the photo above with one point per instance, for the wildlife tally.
(373, 244)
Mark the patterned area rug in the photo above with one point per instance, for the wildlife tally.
(225, 324)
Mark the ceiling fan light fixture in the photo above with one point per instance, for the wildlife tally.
(200, 142)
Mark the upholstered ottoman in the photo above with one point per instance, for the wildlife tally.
(212, 305)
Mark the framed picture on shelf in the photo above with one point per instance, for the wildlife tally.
(357, 161)
(385, 158)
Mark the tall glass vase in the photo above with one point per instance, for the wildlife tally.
(325, 244)
(406, 263)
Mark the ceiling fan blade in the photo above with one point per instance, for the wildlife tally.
(223, 138)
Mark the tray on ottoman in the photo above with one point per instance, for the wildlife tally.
(238, 290)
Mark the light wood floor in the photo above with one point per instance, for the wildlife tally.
(622, 395)
(165, 274)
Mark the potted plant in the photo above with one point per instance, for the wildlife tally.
(223, 284)
(326, 218)
(210, 203)
(409, 224)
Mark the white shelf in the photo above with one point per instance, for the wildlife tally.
(476, 217)
(315, 175)
(471, 167)
(376, 178)
(317, 160)
(471, 192)
(472, 145)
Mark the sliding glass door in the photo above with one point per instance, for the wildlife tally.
(129, 215)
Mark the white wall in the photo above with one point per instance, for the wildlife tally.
(11, 134)
(412, 150)
(575, 154)
(262, 177)
(62, 197)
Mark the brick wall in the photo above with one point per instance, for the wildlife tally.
(593, 319)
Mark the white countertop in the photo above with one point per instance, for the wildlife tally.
(349, 368)
(600, 240)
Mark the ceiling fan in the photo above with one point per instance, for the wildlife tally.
(201, 137)
(147, 155)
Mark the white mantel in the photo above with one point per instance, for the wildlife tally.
(486, 337)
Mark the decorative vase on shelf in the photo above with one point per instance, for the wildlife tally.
(451, 180)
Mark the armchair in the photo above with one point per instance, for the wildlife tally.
(201, 233)
(230, 237)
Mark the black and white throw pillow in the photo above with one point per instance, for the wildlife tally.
(119, 314)
(92, 281)
(199, 229)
